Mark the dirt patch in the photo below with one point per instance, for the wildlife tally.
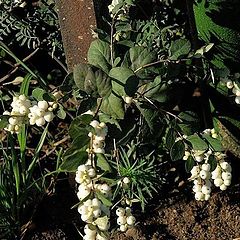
(217, 219)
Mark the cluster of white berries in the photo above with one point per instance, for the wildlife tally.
(20, 108)
(23, 110)
(92, 209)
(91, 233)
(125, 218)
(203, 176)
(42, 112)
(222, 175)
(122, 12)
(98, 137)
(235, 89)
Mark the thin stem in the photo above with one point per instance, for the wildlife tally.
(157, 62)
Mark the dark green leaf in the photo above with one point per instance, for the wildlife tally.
(177, 151)
(99, 55)
(197, 143)
(189, 164)
(213, 162)
(79, 74)
(72, 159)
(80, 126)
(113, 106)
(140, 56)
(179, 48)
(170, 138)
(124, 81)
(48, 97)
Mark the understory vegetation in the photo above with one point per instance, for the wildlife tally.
(159, 91)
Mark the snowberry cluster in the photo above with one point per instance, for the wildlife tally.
(203, 176)
(20, 108)
(124, 183)
(222, 175)
(23, 110)
(125, 218)
(98, 137)
(235, 89)
(41, 113)
(92, 210)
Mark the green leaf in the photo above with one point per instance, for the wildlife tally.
(102, 162)
(61, 112)
(159, 91)
(49, 97)
(79, 74)
(37, 93)
(108, 119)
(80, 126)
(140, 56)
(99, 55)
(25, 84)
(150, 115)
(190, 122)
(179, 48)
(103, 199)
(177, 151)
(91, 81)
(4, 121)
(124, 82)
(72, 158)
(215, 143)
(189, 164)
(170, 138)
(113, 106)
(213, 162)
(197, 143)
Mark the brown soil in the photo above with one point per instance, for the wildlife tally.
(216, 219)
(175, 218)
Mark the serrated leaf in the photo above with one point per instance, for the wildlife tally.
(189, 164)
(72, 159)
(102, 162)
(197, 143)
(103, 199)
(177, 151)
(124, 82)
(99, 55)
(179, 48)
(214, 143)
(113, 106)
